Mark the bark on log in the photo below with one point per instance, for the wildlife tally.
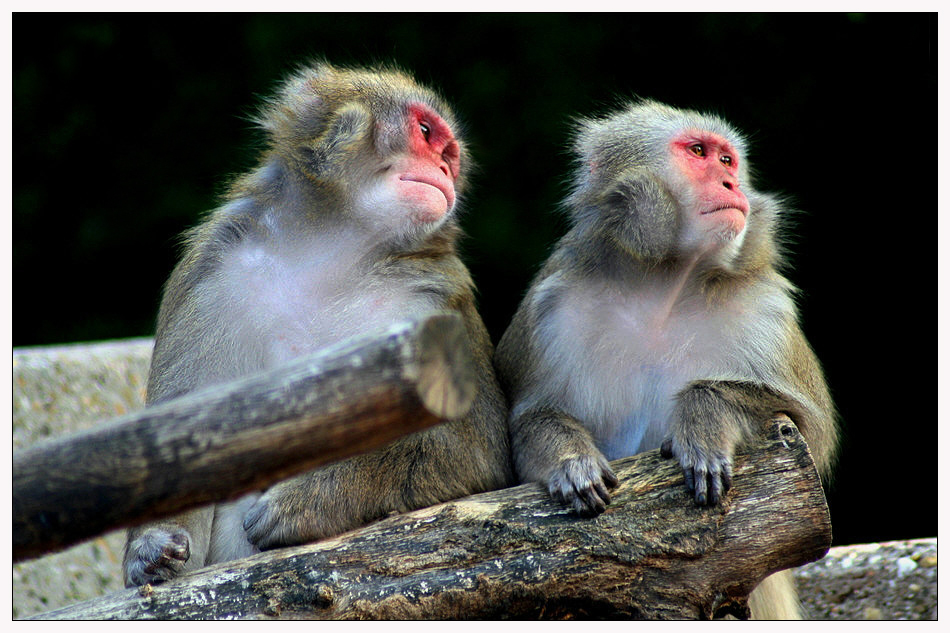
(515, 554)
(230, 439)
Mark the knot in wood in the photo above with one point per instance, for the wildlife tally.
(789, 433)
(323, 597)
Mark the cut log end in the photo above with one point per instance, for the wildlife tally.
(446, 382)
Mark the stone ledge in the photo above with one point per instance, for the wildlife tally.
(896, 580)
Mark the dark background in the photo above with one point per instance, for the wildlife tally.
(126, 127)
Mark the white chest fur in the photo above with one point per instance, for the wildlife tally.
(616, 356)
(292, 300)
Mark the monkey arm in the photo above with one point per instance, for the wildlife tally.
(163, 549)
(547, 445)
(711, 418)
(558, 451)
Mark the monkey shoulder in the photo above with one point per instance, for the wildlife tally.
(439, 275)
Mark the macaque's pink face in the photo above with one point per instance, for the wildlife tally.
(413, 192)
(710, 166)
(425, 176)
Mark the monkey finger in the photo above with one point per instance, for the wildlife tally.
(600, 490)
(700, 479)
(178, 549)
(608, 477)
(558, 494)
(584, 502)
(716, 488)
(588, 503)
(173, 556)
(164, 569)
(252, 517)
(586, 511)
(690, 480)
(561, 486)
(666, 448)
(720, 479)
(727, 475)
(259, 523)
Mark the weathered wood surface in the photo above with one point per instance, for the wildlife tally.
(230, 439)
(515, 554)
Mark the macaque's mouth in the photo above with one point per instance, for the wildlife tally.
(432, 182)
(728, 207)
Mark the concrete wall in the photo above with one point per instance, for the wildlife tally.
(58, 390)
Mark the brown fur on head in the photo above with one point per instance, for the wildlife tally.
(306, 105)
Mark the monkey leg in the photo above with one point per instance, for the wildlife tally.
(441, 463)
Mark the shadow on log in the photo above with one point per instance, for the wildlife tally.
(229, 439)
(515, 554)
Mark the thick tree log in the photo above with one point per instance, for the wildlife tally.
(515, 554)
(218, 443)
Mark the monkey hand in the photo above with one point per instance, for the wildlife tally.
(156, 555)
(583, 482)
(706, 467)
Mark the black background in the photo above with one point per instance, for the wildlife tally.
(126, 127)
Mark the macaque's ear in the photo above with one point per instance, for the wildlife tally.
(348, 128)
(639, 211)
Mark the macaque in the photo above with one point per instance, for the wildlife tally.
(660, 320)
(347, 224)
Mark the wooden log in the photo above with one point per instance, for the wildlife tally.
(230, 439)
(515, 554)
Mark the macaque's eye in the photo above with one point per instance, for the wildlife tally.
(697, 149)
(425, 130)
(726, 160)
